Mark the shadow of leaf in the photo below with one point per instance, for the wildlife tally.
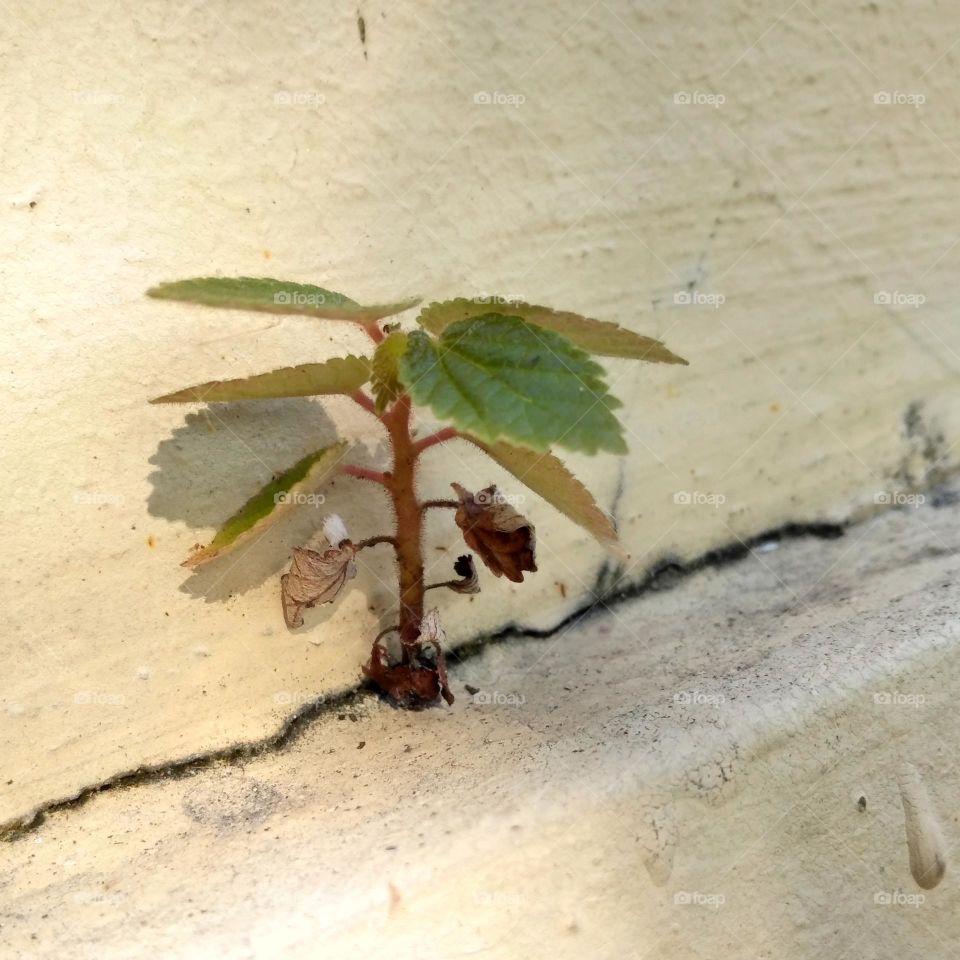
(222, 455)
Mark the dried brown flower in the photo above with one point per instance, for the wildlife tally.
(504, 539)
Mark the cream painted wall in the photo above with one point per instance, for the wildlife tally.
(152, 141)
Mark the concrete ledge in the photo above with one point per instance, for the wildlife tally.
(709, 770)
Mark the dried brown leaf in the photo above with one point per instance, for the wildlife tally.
(315, 577)
(504, 539)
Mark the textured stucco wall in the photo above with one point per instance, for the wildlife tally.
(146, 142)
(720, 782)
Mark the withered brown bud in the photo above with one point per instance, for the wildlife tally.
(469, 582)
(505, 540)
(419, 682)
(315, 577)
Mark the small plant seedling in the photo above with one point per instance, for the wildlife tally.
(513, 379)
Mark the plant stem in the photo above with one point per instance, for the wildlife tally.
(360, 397)
(362, 473)
(445, 583)
(449, 504)
(373, 541)
(383, 633)
(373, 331)
(401, 484)
(441, 436)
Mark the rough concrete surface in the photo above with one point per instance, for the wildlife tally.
(797, 242)
(707, 770)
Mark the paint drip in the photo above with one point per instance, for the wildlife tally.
(925, 843)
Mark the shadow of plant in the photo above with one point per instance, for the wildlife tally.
(222, 455)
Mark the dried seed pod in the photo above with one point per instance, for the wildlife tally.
(469, 582)
(505, 540)
(315, 577)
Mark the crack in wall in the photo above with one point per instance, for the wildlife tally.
(606, 592)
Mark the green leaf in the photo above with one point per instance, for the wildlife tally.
(595, 336)
(338, 375)
(547, 476)
(386, 379)
(499, 377)
(275, 296)
(272, 502)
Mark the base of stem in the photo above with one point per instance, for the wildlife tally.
(413, 684)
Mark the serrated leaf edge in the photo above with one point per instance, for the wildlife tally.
(502, 306)
(178, 395)
(608, 540)
(361, 313)
(597, 376)
(323, 466)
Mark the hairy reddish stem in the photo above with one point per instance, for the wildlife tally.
(401, 484)
(441, 436)
(373, 541)
(373, 331)
(362, 473)
(448, 504)
(360, 397)
(412, 682)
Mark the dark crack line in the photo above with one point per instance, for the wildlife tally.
(606, 592)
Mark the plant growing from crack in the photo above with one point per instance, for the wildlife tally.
(513, 379)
